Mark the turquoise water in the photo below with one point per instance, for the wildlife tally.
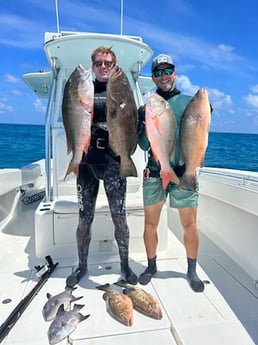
(23, 144)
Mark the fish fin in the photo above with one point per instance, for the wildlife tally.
(84, 317)
(188, 182)
(104, 287)
(60, 310)
(155, 157)
(86, 145)
(87, 102)
(73, 167)
(78, 306)
(127, 167)
(157, 124)
(168, 176)
(76, 298)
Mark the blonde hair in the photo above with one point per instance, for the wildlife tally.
(103, 50)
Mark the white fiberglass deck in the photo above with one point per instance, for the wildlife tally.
(226, 313)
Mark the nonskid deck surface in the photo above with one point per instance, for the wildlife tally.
(226, 313)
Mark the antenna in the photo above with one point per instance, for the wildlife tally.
(121, 16)
(57, 17)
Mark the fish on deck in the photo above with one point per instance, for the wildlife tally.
(77, 114)
(143, 301)
(65, 323)
(122, 120)
(194, 132)
(118, 305)
(64, 298)
(161, 128)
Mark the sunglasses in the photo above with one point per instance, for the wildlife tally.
(166, 71)
(106, 63)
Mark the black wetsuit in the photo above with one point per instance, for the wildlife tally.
(99, 163)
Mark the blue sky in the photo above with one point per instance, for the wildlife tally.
(213, 44)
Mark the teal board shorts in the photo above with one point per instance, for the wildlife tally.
(153, 193)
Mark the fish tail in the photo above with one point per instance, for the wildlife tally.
(68, 172)
(73, 167)
(188, 182)
(127, 168)
(104, 287)
(169, 176)
(85, 317)
(130, 321)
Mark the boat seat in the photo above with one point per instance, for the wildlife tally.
(12, 179)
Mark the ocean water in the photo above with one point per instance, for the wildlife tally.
(22, 144)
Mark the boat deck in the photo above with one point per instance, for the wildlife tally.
(225, 313)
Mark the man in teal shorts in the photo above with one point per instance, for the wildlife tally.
(154, 196)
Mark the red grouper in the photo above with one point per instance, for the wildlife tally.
(77, 112)
(194, 131)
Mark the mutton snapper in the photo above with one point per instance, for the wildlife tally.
(77, 113)
(194, 131)
(65, 323)
(142, 300)
(118, 305)
(64, 298)
(161, 125)
(122, 120)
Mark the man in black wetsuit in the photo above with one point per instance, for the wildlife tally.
(99, 163)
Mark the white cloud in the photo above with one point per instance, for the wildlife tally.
(254, 88)
(220, 100)
(225, 48)
(252, 100)
(11, 79)
(39, 106)
(16, 92)
(185, 85)
(4, 106)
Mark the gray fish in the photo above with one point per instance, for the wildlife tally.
(77, 113)
(122, 120)
(64, 298)
(118, 305)
(65, 323)
(142, 300)
(194, 131)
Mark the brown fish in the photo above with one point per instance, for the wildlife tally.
(122, 120)
(118, 305)
(194, 131)
(161, 131)
(142, 300)
(77, 112)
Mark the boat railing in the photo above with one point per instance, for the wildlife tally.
(235, 177)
